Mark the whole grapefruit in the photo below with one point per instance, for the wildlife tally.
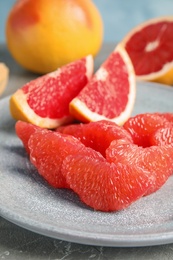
(43, 35)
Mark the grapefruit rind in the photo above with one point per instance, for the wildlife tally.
(20, 109)
(4, 74)
(80, 110)
(165, 75)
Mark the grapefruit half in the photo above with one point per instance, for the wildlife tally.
(150, 48)
(111, 92)
(45, 101)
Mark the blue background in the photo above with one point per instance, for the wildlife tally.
(119, 16)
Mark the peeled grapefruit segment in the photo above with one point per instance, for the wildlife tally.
(104, 186)
(45, 100)
(156, 160)
(48, 149)
(142, 126)
(97, 135)
(111, 92)
(150, 48)
(24, 130)
(167, 115)
(162, 136)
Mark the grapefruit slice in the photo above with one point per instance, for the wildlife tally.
(45, 101)
(111, 92)
(150, 48)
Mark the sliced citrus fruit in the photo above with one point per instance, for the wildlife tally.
(45, 100)
(142, 126)
(104, 186)
(157, 160)
(111, 92)
(97, 135)
(150, 48)
(4, 73)
(48, 150)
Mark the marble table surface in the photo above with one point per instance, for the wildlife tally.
(17, 243)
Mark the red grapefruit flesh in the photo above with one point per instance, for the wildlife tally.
(24, 130)
(104, 186)
(97, 135)
(45, 100)
(142, 126)
(166, 115)
(48, 149)
(162, 136)
(157, 160)
(149, 46)
(111, 92)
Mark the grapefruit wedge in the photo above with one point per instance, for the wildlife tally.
(111, 92)
(150, 48)
(45, 101)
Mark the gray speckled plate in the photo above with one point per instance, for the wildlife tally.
(25, 199)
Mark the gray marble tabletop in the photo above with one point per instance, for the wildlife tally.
(17, 243)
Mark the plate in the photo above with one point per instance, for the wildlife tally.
(29, 202)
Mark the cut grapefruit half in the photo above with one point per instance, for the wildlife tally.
(150, 48)
(45, 101)
(111, 92)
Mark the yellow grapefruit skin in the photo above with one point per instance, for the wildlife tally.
(111, 92)
(150, 48)
(43, 35)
